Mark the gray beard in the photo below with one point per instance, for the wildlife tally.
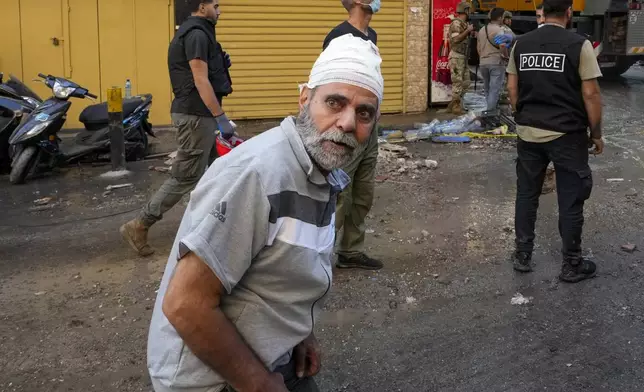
(313, 139)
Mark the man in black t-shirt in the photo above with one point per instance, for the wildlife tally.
(355, 201)
(358, 23)
(199, 76)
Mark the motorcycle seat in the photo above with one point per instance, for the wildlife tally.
(95, 117)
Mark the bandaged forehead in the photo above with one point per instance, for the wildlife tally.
(349, 60)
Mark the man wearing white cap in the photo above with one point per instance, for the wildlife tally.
(251, 263)
(355, 202)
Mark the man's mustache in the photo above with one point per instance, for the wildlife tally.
(338, 136)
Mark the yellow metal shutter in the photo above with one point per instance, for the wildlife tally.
(274, 43)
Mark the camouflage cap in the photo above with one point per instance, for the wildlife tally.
(507, 15)
(463, 7)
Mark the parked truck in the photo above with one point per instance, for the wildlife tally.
(615, 27)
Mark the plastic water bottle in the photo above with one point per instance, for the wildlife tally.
(457, 125)
(427, 130)
(128, 89)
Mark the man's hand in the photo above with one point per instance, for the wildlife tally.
(227, 61)
(599, 146)
(470, 27)
(225, 127)
(307, 357)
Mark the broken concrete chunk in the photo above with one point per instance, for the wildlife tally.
(393, 148)
(43, 201)
(630, 248)
(431, 164)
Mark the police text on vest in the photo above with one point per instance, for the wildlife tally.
(553, 62)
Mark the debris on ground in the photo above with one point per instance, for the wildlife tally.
(159, 155)
(43, 201)
(631, 192)
(630, 248)
(425, 233)
(393, 136)
(615, 179)
(392, 148)
(396, 160)
(160, 169)
(44, 207)
(519, 299)
(171, 157)
(410, 300)
(431, 164)
(118, 186)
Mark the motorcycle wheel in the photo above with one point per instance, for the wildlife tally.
(23, 165)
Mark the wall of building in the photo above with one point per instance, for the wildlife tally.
(104, 42)
(417, 71)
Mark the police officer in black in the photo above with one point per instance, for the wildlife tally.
(552, 81)
(200, 80)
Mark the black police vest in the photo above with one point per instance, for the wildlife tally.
(187, 99)
(550, 96)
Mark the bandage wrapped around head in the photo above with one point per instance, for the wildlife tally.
(349, 60)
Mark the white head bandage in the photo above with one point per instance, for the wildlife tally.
(349, 60)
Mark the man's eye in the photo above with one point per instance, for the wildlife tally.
(332, 103)
(365, 115)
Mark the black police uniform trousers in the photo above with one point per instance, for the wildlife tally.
(569, 154)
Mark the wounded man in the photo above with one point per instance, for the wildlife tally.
(251, 263)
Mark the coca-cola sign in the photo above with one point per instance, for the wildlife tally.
(442, 10)
(442, 64)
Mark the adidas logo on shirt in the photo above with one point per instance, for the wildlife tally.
(220, 212)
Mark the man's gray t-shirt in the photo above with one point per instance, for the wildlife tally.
(262, 218)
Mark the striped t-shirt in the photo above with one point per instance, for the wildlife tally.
(262, 218)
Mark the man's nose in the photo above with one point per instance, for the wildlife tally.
(347, 121)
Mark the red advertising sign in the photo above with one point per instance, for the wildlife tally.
(442, 11)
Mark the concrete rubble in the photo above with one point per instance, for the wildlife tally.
(396, 160)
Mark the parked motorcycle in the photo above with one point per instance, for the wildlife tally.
(35, 143)
(16, 101)
(14, 88)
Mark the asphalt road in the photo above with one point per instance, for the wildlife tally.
(75, 303)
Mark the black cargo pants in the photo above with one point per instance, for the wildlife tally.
(569, 154)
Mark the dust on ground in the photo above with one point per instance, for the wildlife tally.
(447, 313)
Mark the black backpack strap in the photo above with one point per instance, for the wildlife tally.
(487, 35)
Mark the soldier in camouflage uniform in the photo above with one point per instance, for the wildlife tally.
(459, 32)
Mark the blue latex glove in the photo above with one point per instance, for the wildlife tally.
(503, 39)
(225, 127)
(227, 61)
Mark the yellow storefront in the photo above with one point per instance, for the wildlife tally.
(272, 43)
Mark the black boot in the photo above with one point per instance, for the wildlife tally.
(360, 260)
(570, 273)
(522, 262)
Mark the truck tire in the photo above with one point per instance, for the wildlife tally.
(23, 165)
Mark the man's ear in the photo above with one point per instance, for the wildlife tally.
(305, 93)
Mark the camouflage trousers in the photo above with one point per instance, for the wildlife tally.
(460, 76)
